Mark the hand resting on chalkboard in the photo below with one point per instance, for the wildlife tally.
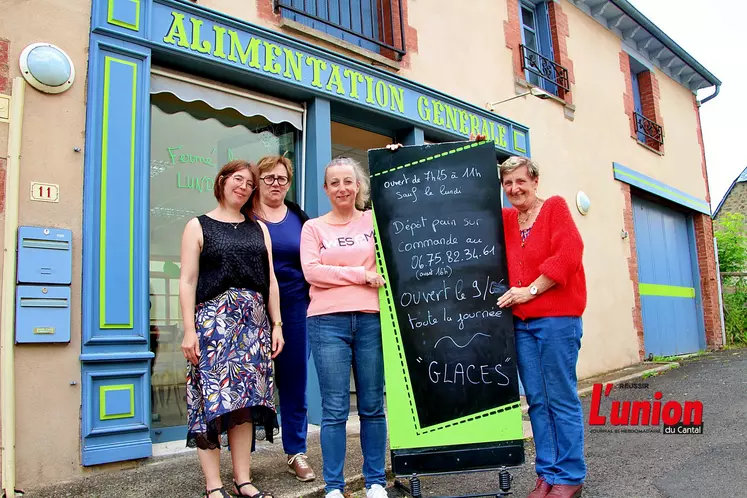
(393, 147)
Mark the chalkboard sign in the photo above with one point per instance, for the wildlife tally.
(449, 351)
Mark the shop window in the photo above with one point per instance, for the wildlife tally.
(376, 25)
(646, 117)
(189, 144)
(538, 58)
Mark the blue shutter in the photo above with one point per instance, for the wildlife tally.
(542, 14)
(637, 98)
(361, 16)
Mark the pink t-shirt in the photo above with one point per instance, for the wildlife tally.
(335, 259)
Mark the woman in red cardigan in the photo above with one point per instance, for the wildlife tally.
(547, 297)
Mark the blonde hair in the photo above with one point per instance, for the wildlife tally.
(364, 189)
(515, 162)
(269, 162)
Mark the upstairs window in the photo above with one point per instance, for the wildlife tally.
(376, 25)
(538, 59)
(646, 116)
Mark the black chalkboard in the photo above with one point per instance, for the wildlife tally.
(440, 228)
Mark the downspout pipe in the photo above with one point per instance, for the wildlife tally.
(8, 294)
(712, 96)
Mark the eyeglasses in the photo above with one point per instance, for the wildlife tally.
(270, 179)
(239, 180)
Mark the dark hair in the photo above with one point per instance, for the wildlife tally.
(228, 170)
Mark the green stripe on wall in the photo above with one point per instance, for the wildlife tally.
(666, 290)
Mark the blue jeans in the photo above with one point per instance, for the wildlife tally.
(547, 352)
(339, 340)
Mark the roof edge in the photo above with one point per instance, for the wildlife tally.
(665, 40)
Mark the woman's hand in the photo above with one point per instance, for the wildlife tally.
(514, 295)
(478, 137)
(393, 147)
(191, 347)
(374, 280)
(277, 340)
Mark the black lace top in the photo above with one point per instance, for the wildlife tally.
(233, 255)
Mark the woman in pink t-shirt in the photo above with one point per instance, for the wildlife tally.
(337, 257)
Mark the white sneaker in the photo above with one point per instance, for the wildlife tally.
(334, 494)
(376, 491)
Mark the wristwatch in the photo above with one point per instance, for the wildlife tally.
(277, 324)
(533, 290)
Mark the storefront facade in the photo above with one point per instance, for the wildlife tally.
(173, 90)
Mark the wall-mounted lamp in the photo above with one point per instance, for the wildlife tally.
(583, 203)
(47, 68)
(535, 91)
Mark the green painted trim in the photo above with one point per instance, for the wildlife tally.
(389, 314)
(516, 147)
(103, 221)
(662, 189)
(666, 290)
(102, 401)
(110, 17)
(430, 158)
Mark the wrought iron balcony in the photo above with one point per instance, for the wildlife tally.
(649, 129)
(376, 24)
(545, 68)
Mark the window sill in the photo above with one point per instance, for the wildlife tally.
(522, 86)
(373, 57)
(648, 147)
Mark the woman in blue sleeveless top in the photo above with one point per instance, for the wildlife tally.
(284, 220)
(229, 297)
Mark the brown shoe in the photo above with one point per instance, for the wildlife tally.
(298, 466)
(565, 491)
(541, 488)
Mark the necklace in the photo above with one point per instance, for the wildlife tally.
(529, 213)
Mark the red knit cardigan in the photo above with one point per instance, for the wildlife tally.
(553, 248)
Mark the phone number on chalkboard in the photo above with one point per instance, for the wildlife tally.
(435, 259)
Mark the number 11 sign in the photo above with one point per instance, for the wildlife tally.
(45, 192)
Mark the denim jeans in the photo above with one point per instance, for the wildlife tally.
(339, 340)
(547, 352)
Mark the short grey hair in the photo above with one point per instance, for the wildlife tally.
(515, 162)
(361, 176)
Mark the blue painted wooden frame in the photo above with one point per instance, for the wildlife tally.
(659, 188)
(115, 323)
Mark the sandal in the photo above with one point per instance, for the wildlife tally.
(223, 493)
(258, 494)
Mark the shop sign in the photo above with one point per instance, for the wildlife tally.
(267, 55)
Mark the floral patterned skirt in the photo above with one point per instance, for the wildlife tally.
(233, 382)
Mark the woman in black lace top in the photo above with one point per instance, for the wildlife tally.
(227, 292)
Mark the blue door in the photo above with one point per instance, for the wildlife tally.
(666, 257)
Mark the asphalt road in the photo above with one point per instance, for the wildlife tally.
(651, 465)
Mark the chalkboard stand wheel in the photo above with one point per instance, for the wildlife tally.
(504, 482)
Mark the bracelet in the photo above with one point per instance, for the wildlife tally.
(277, 324)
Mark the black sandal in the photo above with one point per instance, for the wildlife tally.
(259, 494)
(223, 493)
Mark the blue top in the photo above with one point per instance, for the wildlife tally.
(286, 259)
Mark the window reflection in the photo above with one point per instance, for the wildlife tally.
(189, 144)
